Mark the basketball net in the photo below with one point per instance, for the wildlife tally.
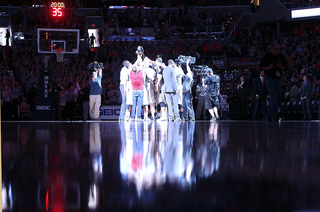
(59, 54)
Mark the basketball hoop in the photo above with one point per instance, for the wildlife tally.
(59, 54)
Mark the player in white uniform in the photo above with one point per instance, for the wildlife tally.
(149, 88)
(179, 74)
(159, 92)
(128, 93)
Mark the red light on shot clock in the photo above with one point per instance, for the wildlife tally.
(56, 12)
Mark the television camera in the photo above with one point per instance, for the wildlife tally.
(201, 70)
(183, 59)
(95, 65)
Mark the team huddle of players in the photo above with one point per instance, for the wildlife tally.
(147, 84)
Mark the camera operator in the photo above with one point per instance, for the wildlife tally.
(212, 84)
(95, 91)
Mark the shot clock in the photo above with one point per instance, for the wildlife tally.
(57, 9)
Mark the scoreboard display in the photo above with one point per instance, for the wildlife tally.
(57, 9)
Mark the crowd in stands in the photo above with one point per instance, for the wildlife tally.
(300, 3)
(162, 3)
(182, 16)
(30, 18)
(300, 45)
(157, 3)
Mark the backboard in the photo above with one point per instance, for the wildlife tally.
(51, 39)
